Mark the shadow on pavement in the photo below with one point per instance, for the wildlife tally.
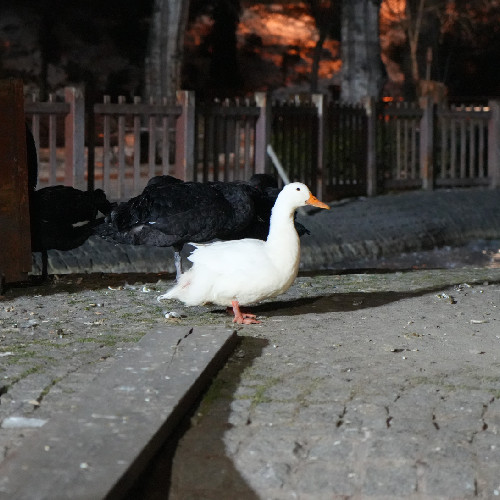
(336, 302)
(193, 463)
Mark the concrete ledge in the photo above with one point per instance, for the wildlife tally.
(98, 449)
(354, 230)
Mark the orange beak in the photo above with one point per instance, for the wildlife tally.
(316, 203)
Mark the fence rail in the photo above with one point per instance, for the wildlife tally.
(339, 150)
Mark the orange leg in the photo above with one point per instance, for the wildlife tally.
(242, 318)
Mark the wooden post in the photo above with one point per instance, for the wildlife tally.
(121, 150)
(371, 153)
(90, 146)
(319, 102)
(15, 246)
(262, 133)
(137, 148)
(74, 138)
(106, 166)
(427, 144)
(185, 136)
(494, 144)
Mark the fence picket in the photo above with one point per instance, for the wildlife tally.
(137, 148)
(52, 145)
(478, 154)
(106, 151)
(493, 155)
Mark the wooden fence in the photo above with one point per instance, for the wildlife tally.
(399, 134)
(295, 139)
(123, 145)
(345, 151)
(131, 143)
(59, 131)
(339, 150)
(225, 140)
(462, 146)
(438, 146)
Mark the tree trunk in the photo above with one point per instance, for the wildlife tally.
(318, 48)
(225, 78)
(362, 69)
(165, 47)
(326, 14)
(423, 32)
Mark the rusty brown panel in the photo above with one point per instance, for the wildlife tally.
(15, 240)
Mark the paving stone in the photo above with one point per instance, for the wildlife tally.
(397, 477)
(451, 479)
(319, 476)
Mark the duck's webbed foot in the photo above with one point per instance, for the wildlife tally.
(242, 318)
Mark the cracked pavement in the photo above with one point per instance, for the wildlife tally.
(383, 386)
(373, 385)
(376, 385)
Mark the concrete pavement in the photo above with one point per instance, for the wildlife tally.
(369, 385)
(373, 386)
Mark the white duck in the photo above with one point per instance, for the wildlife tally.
(230, 273)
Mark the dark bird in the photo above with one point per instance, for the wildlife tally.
(61, 217)
(170, 212)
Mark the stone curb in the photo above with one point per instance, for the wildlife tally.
(99, 448)
(353, 231)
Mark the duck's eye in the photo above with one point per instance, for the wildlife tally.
(298, 189)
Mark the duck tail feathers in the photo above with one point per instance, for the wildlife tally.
(176, 291)
(169, 294)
